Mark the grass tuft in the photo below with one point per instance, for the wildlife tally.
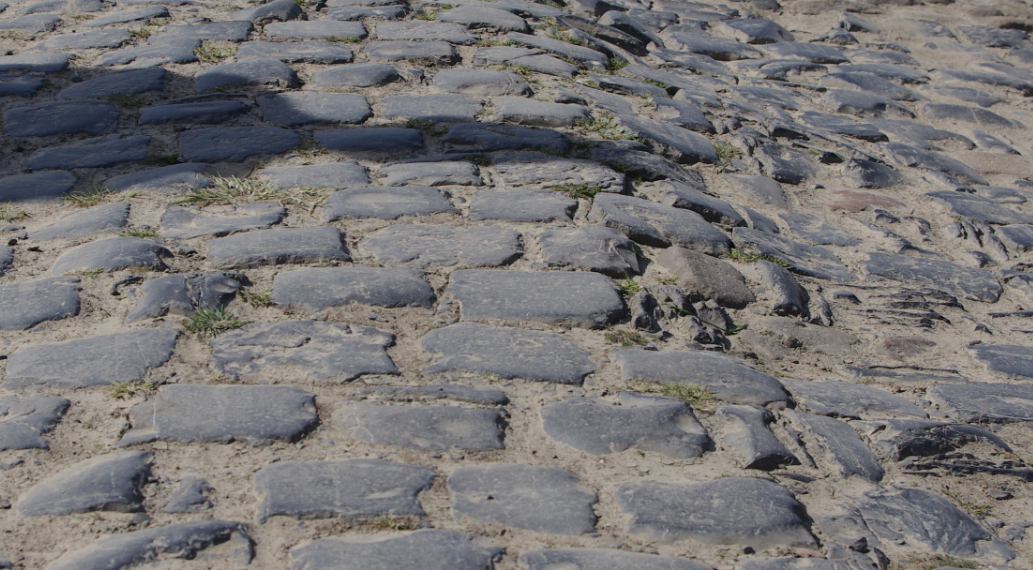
(127, 99)
(626, 338)
(627, 286)
(88, 198)
(139, 232)
(8, 213)
(426, 14)
(614, 65)
(692, 394)
(744, 257)
(84, 272)
(586, 191)
(161, 160)
(606, 127)
(208, 52)
(257, 299)
(232, 190)
(343, 40)
(490, 377)
(211, 322)
(123, 390)
(726, 151)
(386, 522)
(430, 127)
(309, 148)
(141, 34)
(980, 509)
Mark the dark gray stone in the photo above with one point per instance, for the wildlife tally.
(750, 436)
(993, 37)
(107, 217)
(896, 73)
(968, 95)
(342, 174)
(441, 53)
(864, 104)
(804, 259)
(357, 75)
(126, 16)
(186, 223)
(425, 428)
(965, 282)
(385, 203)
(721, 49)
(696, 63)
(321, 288)
(900, 439)
(714, 210)
(31, 24)
(840, 446)
(1007, 359)
(674, 142)
(689, 116)
(19, 85)
(423, 246)
(28, 303)
(786, 296)
(645, 422)
(844, 126)
(757, 31)
(194, 412)
(1019, 237)
(23, 421)
(92, 361)
(543, 499)
(315, 30)
(296, 52)
(785, 164)
(546, 64)
(966, 114)
(927, 520)
(234, 144)
(321, 245)
(573, 299)
(584, 56)
(508, 353)
(169, 51)
(522, 206)
(761, 189)
(112, 254)
(91, 153)
(109, 38)
(110, 482)
(302, 108)
(228, 31)
(730, 379)
(458, 173)
(604, 250)
(340, 489)
(189, 496)
(817, 230)
(36, 187)
(391, 140)
(626, 86)
(424, 32)
(707, 276)
(248, 72)
(61, 117)
(868, 174)
(978, 208)
(859, 81)
(483, 18)
(125, 550)
(353, 13)
(483, 396)
(427, 549)
(923, 137)
(208, 112)
(127, 82)
(592, 559)
(987, 141)
(814, 53)
(184, 293)
(435, 108)
(733, 510)
(314, 350)
(658, 225)
(486, 137)
(849, 400)
(979, 402)
(523, 168)
(35, 62)
(282, 10)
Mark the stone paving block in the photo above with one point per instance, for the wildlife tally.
(235, 547)
(352, 13)
(19, 85)
(523, 168)
(172, 50)
(536, 113)
(323, 245)
(126, 16)
(234, 144)
(189, 496)
(728, 378)
(26, 304)
(296, 52)
(112, 254)
(645, 422)
(575, 299)
(522, 206)
(91, 153)
(393, 141)
(748, 433)
(508, 353)
(985, 402)
(658, 225)
(911, 156)
(109, 482)
(483, 18)
(761, 189)
(35, 62)
(817, 230)
(424, 32)
(385, 203)
(849, 400)
(713, 210)
(275, 10)
(484, 137)
(90, 361)
(184, 293)
(721, 49)
(222, 414)
(425, 428)
(710, 277)
(31, 24)
(308, 350)
(357, 75)
(482, 82)
(809, 260)
(229, 31)
(587, 57)
(340, 489)
(320, 288)
(424, 246)
(204, 112)
(248, 72)
(978, 208)
(292, 109)
(901, 439)
(1009, 360)
(428, 549)
(23, 421)
(314, 30)
(440, 53)
(185, 223)
(342, 174)
(436, 108)
(36, 187)
(61, 117)
(604, 250)
(599, 559)
(106, 217)
(451, 173)
(965, 282)
(543, 499)
(124, 83)
(733, 510)
(838, 444)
